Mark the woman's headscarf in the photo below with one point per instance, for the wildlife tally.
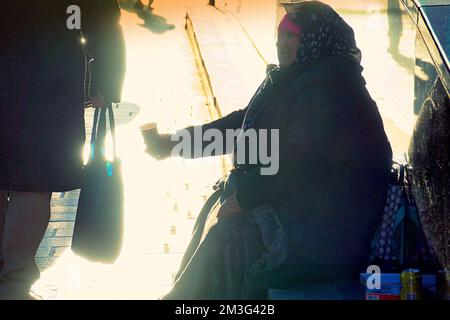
(323, 32)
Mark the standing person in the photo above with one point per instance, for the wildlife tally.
(314, 220)
(42, 133)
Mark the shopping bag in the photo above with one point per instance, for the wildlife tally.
(98, 232)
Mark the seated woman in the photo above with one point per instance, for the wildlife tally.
(313, 221)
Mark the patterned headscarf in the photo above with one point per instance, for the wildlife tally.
(323, 32)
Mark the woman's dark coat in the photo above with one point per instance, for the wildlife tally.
(42, 67)
(328, 195)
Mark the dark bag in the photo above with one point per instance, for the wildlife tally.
(400, 242)
(98, 232)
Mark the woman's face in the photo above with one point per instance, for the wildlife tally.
(287, 46)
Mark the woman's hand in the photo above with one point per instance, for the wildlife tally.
(161, 148)
(95, 102)
(229, 208)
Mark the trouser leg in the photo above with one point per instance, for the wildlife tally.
(3, 203)
(25, 221)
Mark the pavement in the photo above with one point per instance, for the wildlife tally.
(207, 67)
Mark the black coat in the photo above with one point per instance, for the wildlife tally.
(42, 66)
(335, 161)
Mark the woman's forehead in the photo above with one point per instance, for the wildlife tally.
(287, 33)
